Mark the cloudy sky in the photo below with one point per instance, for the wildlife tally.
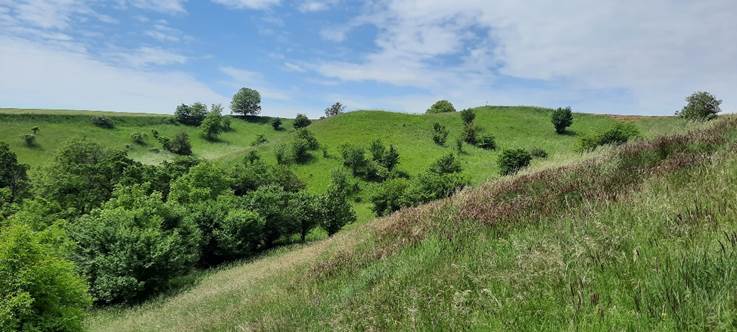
(605, 56)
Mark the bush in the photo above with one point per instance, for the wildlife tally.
(191, 115)
(538, 153)
(469, 134)
(300, 150)
(138, 138)
(430, 186)
(441, 106)
(512, 161)
(334, 110)
(459, 145)
(387, 158)
(227, 123)
(617, 135)
(468, 116)
(276, 124)
(202, 182)
(354, 158)
(212, 125)
(29, 140)
(301, 121)
(446, 164)
(309, 139)
(35, 130)
(102, 122)
(562, 118)
(250, 175)
(700, 106)
(246, 102)
(260, 139)
(39, 290)
(13, 175)
(439, 134)
(238, 234)
(487, 142)
(179, 145)
(390, 197)
(272, 202)
(132, 246)
(282, 154)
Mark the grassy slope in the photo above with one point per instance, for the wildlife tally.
(658, 255)
(512, 126)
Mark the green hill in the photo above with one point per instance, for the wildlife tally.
(526, 127)
(640, 237)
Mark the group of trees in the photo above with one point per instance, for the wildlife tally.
(381, 164)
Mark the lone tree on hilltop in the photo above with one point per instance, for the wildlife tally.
(562, 118)
(441, 106)
(701, 106)
(335, 109)
(246, 102)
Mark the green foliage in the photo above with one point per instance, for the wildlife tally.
(276, 124)
(238, 234)
(301, 121)
(562, 118)
(179, 145)
(39, 290)
(487, 142)
(513, 160)
(282, 154)
(191, 115)
(354, 158)
(469, 133)
(246, 102)
(13, 175)
(390, 197)
(212, 125)
(335, 210)
(102, 122)
(446, 164)
(227, 121)
(441, 106)
(468, 115)
(439, 133)
(395, 194)
(701, 106)
(83, 175)
(273, 203)
(260, 139)
(459, 145)
(377, 150)
(308, 138)
(334, 110)
(133, 246)
(29, 140)
(138, 138)
(617, 135)
(35, 130)
(204, 181)
(538, 153)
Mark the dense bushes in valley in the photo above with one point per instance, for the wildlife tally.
(617, 135)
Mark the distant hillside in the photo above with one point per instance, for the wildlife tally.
(640, 237)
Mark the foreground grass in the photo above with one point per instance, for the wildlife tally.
(641, 238)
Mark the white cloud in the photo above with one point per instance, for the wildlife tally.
(316, 5)
(248, 4)
(162, 32)
(36, 75)
(163, 6)
(241, 77)
(656, 51)
(149, 56)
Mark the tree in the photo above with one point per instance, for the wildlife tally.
(305, 207)
(377, 150)
(441, 106)
(700, 106)
(13, 175)
(334, 209)
(469, 133)
(334, 110)
(487, 142)
(179, 145)
(439, 134)
(39, 290)
(276, 124)
(272, 202)
(301, 121)
(390, 159)
(191, 115)
(246, 102)
(29, 140)
(513, 160)
(562, 118)
(354, 158)
(446, 164)
(204, 181)
(212, 125)
(468, 116)
(309, 138)
(102, 122)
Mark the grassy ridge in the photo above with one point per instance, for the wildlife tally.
(642, 237)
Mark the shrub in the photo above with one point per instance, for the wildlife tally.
(227, 123)
(309, 139)
(441, 106)
(35, 130)
(562, 118)
(459, 145)
(354, 158)
(13, 175)
(446, 164)
(246, 102)
(617, 135)
(301, 121)
(390, 197)
(281, 152)
(700, 106)
(179, 145)
(39, 290)
(469, 134)
(430, 186)
(538, 153)
(202, 182)
(260, 139)
(191, 115)
(155, 133)
(487, 142)
(102, 122)
(272, 202)
(276, 124)
(468, 116)
(212, 125)
(439, 134)
(300, 150)
(138, 138)
(238, 234)
(513, 160)
(132, 246)
(334, 110)
(29, 140)
(377, 149)
(334, 209)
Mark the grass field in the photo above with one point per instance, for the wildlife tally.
(641, 237)
(526, 127)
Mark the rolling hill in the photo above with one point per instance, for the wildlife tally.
(640, 237)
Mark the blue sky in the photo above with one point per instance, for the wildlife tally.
(608, 56)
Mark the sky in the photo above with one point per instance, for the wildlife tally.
(604, 56)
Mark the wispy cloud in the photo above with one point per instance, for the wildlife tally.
(248, 4)
(241, 77)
